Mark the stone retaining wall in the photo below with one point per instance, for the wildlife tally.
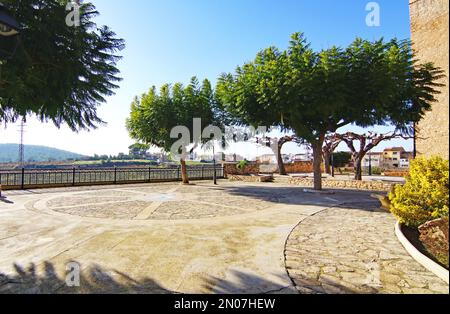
(231, 169)
(300, 167)
(233, 177)
(344, 184)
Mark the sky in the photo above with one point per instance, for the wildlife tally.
(172, 40)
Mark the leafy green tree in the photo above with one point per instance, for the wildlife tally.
(155, 114)
(341, 159)
(138, 150)
(59, 73)
(316, 93)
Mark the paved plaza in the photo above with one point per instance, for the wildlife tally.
(201, 238)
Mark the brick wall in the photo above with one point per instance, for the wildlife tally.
(430, 36)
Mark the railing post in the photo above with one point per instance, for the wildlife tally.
(203, 172)
(115, 174)
(178, 173)
(22, 185)
(149, 174)
(73, 176)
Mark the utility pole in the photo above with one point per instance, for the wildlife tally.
(21, 145)
(214, 163)
(414, 140)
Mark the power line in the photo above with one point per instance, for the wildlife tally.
(21, 145)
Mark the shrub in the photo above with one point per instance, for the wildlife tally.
(424, 197)
(242, 164)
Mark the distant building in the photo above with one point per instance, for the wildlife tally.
(267, 159)
(233, 158)
(372, 159)
(395, 157)
(404, 163)
(303, 157)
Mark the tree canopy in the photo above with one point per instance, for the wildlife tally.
(155, 114)
(59, 73)
(315, 93)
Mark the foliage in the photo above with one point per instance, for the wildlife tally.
(425, 195)
(315, 93)
(154, 115)
(341, 159)
(242, 164)
(138, 150)
(59, 73)
(375, 170)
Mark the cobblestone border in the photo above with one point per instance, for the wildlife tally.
(344, 184)
(424, 260)
(294, 284)
(319, 263)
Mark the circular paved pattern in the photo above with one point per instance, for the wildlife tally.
(165, 202)
(343, 250)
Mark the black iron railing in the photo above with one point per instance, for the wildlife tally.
(34, 178)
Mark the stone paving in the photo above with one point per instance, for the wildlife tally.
(202, 238)
(343, 250)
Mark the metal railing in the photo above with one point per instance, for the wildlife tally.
(36, 178)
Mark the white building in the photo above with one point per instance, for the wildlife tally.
(373, 159)
(404, 163)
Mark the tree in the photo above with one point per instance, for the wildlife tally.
(59, 73)
(330, 144)
(316, 93)
(154, 115)
(367, 142)
(138, 150)
(276, 144)
(341, 159)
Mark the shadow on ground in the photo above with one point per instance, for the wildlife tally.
(350, 199)
(94, 280)
(97, 280)
(5, 200)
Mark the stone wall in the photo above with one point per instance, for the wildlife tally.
(344, 184)
(251, 178)
(430, 36)
(231, 169)
(300, 167)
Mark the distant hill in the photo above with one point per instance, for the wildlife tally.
(10, 152)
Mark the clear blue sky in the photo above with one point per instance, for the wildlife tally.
(172, 40)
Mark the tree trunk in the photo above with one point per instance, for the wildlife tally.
(327, 161)
(184, 175)
(358, 168)
(281, 168)
(317, 154)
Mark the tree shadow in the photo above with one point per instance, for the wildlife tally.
(97, 280)
(344, 198)
(93, 280)
(4, 199)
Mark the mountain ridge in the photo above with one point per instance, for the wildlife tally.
(35, 153)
